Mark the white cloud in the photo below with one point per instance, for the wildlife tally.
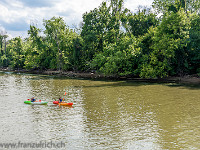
(73, 10)
(4, 13)
(133, 4)
(2, 30)
(10, 14)
(15, 3)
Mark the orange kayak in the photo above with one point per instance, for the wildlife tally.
(63, 103)
(66, 104)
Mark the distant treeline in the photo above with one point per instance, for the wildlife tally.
(114, 41)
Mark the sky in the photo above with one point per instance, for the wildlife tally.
(17, 15)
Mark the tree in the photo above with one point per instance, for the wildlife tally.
(33, 49)
(194, 45)
(117, 58)
(169, 47)
(163, 6)
(94, 30)
(77, 53)
(63, 44)
(16, 53)
(103, 26)
(54, 31)
(140, 22)
(3, 53)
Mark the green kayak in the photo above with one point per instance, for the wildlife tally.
(36, 103)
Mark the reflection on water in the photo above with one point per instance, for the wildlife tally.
(105, 115)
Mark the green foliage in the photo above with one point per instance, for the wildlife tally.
(140, 23)
(16, 53)
(169, 47)
(33, 47)
(95, 26)
(3, 61)
(117, 58)
(3, 53)
(101, 27)
(32, 56)
(59, 49)
(55, 29)
(164, 6)
(194, 45)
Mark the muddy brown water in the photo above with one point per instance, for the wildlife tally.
(105, 114)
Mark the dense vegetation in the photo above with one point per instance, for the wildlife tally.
(114, 41)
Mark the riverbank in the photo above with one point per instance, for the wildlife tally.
(189, 79)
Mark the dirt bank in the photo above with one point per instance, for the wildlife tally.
(193, 79)
(186, 79)
(189, 79)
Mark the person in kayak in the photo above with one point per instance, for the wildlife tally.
(60, 100)
(33, 99)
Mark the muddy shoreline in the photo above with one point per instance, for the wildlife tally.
(189, 79)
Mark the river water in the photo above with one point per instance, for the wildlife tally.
(105, 114)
